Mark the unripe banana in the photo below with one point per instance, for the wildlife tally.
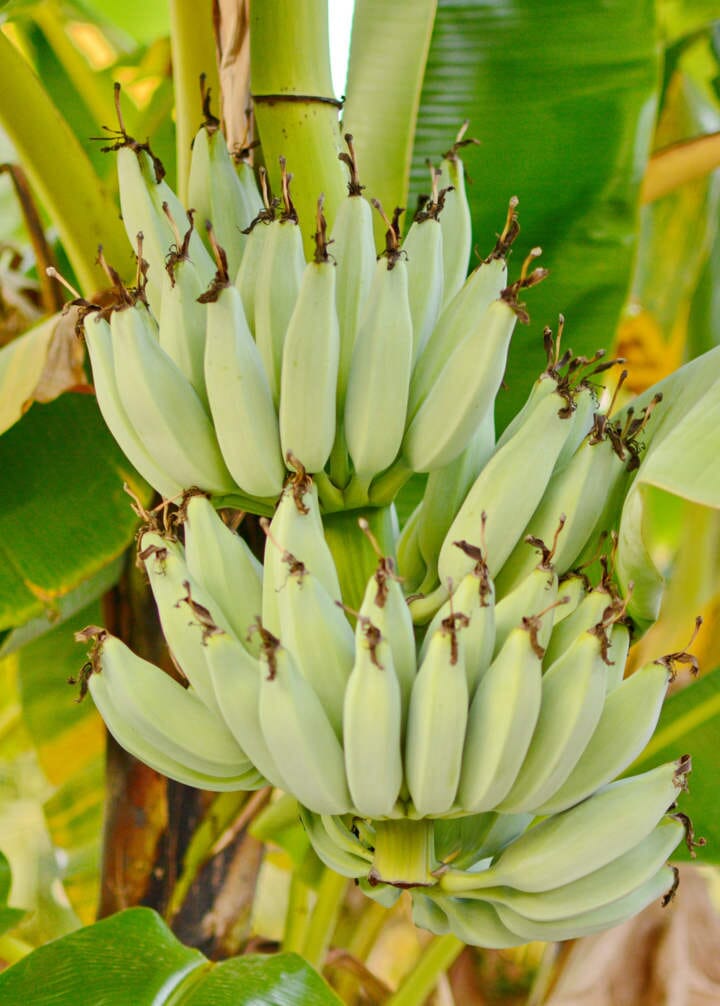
(576, 493)
(310, 363)
(222, 564)
(239, 393)
(584, 838)
(353, 248)
(602, 887)
(461, 313)
(162, 405)
(573, 691)
(436, 722)
(508, 489)
(384, 605)
(334, 856)
(423, 248)
(501, 721)
(477, 923)
(131, 739)
(98, 339)
(372, 720)
(628, 719)
(182, 315)
(593, 608)
(573, 587)
(215, 191)
(187, 613)
(318, 635)
(246, 278)
(377, 388)
(299, 735)
(172, 718)
(475, 598)
(617, 655)
(537, 592)
(456, 222)
(278, 280)
(463, 393)
(586, 923)
(444, 493)
(235, 676)
(143, 192)
(296, 528)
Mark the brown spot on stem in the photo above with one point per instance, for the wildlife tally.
(350, 160)
(670, 660)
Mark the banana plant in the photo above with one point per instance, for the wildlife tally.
(396, 798)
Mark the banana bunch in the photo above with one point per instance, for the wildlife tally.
(453, 723)
(240, 333)
(416, 764)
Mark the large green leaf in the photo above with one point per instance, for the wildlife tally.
(562, 97)
(63, 513)
(133, 958)
(690, 723)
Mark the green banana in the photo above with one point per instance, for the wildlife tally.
(379, 376)
(478, 923)
(501, 721)
(277, 284)
(131, 739)
(240, 399)
(317, 633)
(628, 719)
(334, 856)
(507, 490)
(187, 614)
(595, 890)
(172, 718)
(385, 607)
(98, 339)
(299, 735)
(182, 316)
(235, 677)
(456, 223)
(436, 721)
(586, 923)
(215, 190)
(584, 838)
(163, 406)
(310, 356)
(573, 691)
(423, 248)
(296, 528)
(372, 721)
(222, 564)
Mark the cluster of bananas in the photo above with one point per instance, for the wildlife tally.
(478, 688)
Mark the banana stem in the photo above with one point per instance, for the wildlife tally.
(404, 851)
(193, 52)
(436, 958)
(297, 916)
(324, 917)
(295, 108)
(355, 558)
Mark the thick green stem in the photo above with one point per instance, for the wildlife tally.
(354, 556)
(324, 917)
(295, 108)
(436, 958)
(193, 53)
(297, 916)
(404, 852)
(71, 192)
